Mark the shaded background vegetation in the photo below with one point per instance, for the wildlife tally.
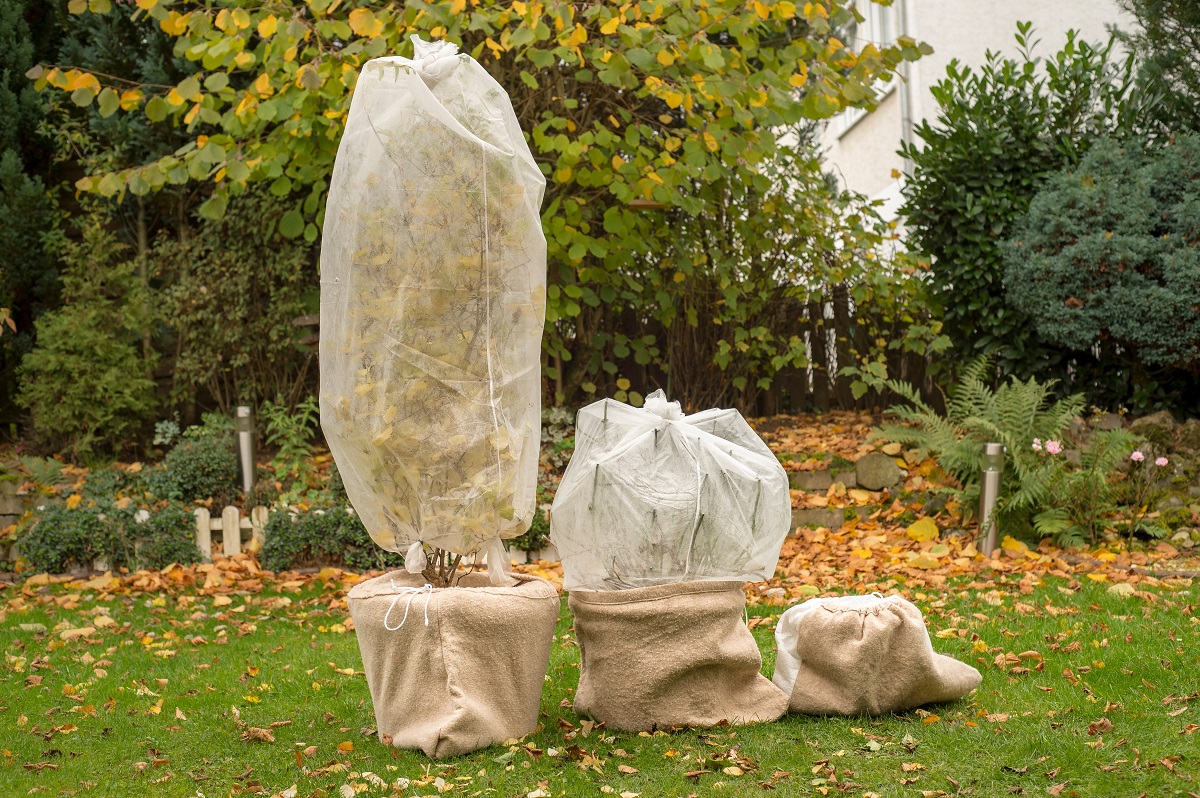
(164, 168)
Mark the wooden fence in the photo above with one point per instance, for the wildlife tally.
(237, 531)
(232, 527)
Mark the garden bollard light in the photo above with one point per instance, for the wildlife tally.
(989, 493)
(244, 426)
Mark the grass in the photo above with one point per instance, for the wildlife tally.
(157, 703)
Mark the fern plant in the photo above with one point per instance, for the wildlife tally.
(1014, 414)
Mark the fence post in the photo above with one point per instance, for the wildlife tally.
(258, 523)
(231, 531)
(204, 533)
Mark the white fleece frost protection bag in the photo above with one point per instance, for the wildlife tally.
(433, 286)
(653, 497)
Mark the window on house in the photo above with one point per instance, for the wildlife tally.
(878, 28)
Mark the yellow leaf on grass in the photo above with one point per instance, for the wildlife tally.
(1098, 577)
(72, 634)
(930, 719)
(73, 501)
(923, 529)
(346, 746)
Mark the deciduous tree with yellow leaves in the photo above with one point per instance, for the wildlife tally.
(653, 121)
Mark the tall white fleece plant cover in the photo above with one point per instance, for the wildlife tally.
(433, 286)
(653, 497)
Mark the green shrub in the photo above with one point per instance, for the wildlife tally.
(1107, 261)
(87, 381)
(325, 536)
(1015, 414)
(537, 536)
(1163, 39)
(291, 429)
(238, 287)
(999, 132)
(61, 537)
(336, 486)
(104, 484)
(558, 437)
(199, 467)
(168, 536)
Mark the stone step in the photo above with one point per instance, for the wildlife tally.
(820, 481)
(829, 517)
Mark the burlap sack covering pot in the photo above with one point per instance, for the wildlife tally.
(863, 655)
(470, 678)
(670, 655)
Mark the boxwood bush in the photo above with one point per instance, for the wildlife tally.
(324, 536)
(200, 467)
(63, 537)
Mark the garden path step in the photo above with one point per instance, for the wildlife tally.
(821, 480)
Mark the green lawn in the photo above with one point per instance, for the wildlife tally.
(160, 703)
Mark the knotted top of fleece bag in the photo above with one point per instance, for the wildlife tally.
(652, 496)
(863, 655)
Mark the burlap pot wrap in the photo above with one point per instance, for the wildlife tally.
(863, 655)
(670, 655)
(470, 678)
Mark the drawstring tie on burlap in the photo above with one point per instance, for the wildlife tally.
(412, 593)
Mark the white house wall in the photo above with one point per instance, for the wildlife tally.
(864, 153)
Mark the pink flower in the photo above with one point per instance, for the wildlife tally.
(1054, 447)
(1137, 457)
(1037, 444)
(1160, 462)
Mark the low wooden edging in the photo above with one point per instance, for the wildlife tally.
(237, 533)
(233, 529)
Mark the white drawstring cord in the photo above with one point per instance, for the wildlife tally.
(412, 592)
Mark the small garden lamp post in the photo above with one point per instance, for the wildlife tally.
(244, 426)
(989, 493)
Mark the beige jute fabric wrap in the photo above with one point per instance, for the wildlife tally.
(470, 678)
(670, 655)
(863, 655)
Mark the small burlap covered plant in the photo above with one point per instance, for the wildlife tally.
(863, 655)
(670, 655)
(452, 670)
